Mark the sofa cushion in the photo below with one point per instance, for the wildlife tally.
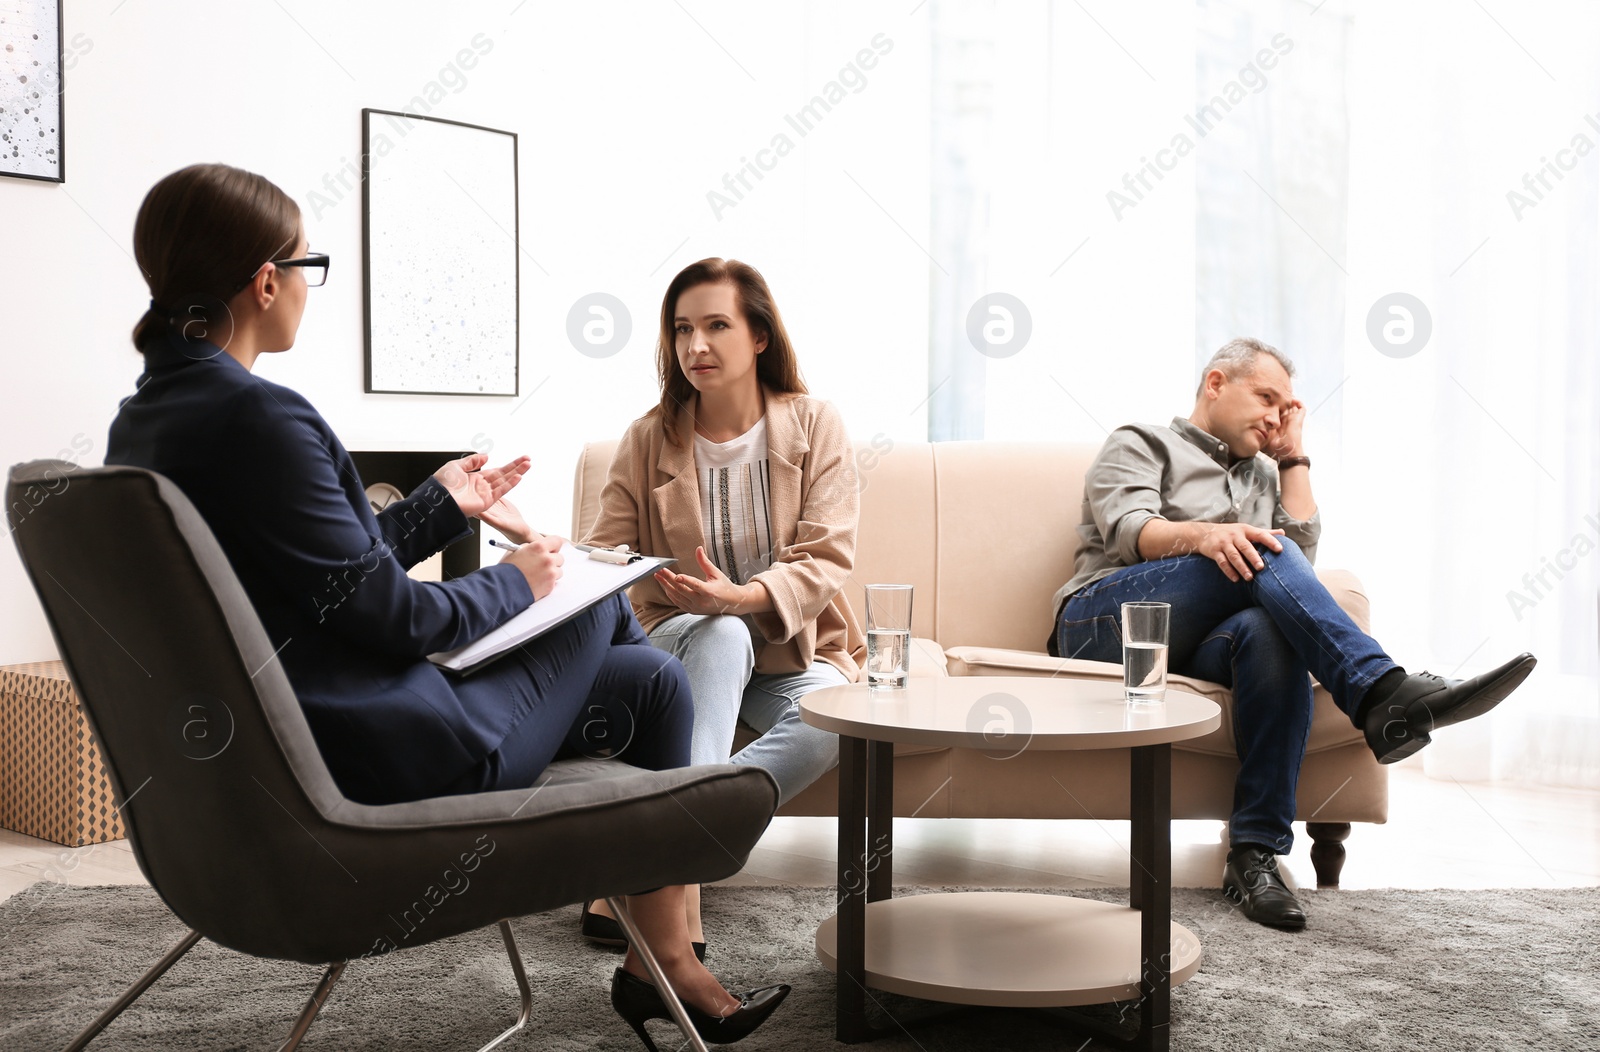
(1006, 538)
(928, 518)
(987, 532)
(896, 541)
(1330, 727)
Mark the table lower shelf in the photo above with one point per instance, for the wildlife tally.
(1007, 949)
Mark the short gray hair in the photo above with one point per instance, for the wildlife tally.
(1237, 358)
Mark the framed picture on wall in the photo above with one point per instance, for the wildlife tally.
(31, 90)
(441, 270)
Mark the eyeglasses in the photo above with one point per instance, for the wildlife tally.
(315, 267)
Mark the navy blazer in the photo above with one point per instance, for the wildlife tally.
(326, 575)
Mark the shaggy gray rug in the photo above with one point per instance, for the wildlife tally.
(1448, 970)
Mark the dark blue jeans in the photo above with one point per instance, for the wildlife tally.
(1261, 637)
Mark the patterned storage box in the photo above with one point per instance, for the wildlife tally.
(53, 782)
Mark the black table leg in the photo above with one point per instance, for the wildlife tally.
(880, 821)
(1152, 891)
(851, 930)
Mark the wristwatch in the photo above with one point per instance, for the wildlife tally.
(1294, 462)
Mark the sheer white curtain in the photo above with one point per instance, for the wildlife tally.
(1475, 186)
(1460, 476)
(1272, 197)
(1272, 185)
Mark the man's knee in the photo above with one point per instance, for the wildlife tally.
(1265, 653)
(1291, 551)
(1249, 626)
(1256, 624)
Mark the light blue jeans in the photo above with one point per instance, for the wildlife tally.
(719, 655)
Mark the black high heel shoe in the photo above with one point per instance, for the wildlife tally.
(605, 931)
(638, 1002)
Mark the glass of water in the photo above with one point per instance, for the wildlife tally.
(888, 634)
(1144, 651)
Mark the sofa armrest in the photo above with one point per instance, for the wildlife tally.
(927, 658)
(1347, 591)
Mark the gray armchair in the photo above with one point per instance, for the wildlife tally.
(229, 809)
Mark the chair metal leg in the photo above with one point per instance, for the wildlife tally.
(636, 939)
(132, 993)
(319, 996)
(331, 976)
(313, 1006)
(522, 987)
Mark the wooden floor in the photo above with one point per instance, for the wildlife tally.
(1440, 834)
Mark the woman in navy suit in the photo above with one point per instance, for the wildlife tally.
(226, 258)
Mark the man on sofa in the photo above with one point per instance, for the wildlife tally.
(1214, 515)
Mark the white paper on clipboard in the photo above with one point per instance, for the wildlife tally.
(584, 582)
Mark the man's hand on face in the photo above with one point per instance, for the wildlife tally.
(1286, 440)
(1232, 546)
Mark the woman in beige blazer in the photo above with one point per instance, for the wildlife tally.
(750, 484)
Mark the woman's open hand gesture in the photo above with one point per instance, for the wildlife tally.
(475, 488)
(717, 594)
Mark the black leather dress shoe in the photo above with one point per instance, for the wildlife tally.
(1251, 879)
(1404, 722)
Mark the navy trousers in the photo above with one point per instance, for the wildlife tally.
(593, 687)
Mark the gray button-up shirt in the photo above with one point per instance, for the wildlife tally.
(1179, 473)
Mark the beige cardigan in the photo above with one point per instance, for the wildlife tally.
(651, 502)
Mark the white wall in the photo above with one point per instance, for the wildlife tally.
(628, 114)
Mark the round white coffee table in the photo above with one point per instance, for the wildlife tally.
(1004, 949)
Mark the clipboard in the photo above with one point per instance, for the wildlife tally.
(590, 575)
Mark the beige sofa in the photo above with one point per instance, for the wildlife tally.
(986, 531)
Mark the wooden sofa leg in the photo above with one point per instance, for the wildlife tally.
(1327, 850)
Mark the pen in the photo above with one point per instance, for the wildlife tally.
(503, 544)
